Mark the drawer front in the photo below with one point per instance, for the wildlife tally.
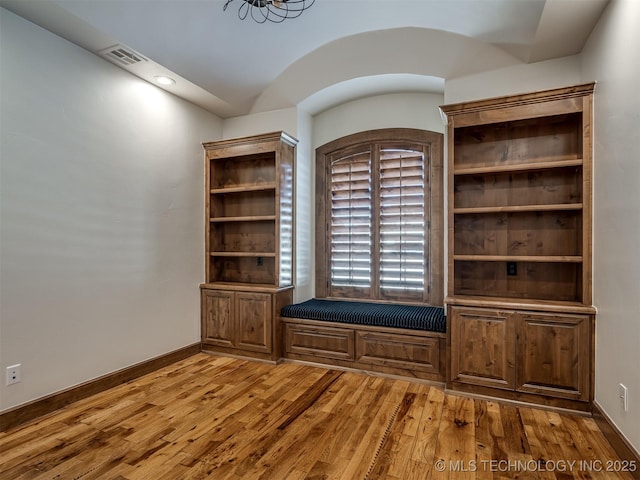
(319, 341)
(399, 351)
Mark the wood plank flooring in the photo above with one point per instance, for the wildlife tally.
(221, 418)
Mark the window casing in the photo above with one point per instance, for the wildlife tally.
(379, 219)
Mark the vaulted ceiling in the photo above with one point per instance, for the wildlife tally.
(335, 51)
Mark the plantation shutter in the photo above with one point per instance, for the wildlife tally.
(379, 230)
(402, 223)
(350, 230)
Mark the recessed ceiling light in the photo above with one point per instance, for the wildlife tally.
(162, 80)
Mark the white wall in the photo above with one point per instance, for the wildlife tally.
(285, 119)
(102, 214)
(521, 78)
(610, 58)
(402, 110)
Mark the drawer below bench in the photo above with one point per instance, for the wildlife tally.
(416, 354)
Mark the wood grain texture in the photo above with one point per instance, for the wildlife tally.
(409, 353)
(42, 406)
(210, 417)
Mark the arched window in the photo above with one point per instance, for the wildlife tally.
(379, 219)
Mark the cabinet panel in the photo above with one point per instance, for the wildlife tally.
(217, 318)
(319, 341)
(402, 351)
(253, 322)
(554, 355)
(483, 347)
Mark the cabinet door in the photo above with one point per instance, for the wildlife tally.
(554, 355)
(483, 347)
(217, 318)
(253, 322)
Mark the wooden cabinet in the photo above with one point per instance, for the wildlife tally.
(243, 322)
(529, 352)
(248, 242)
(410, 353)
(519, 241)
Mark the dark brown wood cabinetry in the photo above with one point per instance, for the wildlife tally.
(249, 243)
(484, 342)
(528, 352)
(519, 261)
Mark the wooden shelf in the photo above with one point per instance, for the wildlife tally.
(520, 258)
(542, 165)
(242, 254)
(519, 208)
(243, 188)
(242, 287)
(249, 210)
(523, 304)
(254, 218)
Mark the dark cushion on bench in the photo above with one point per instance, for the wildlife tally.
(415, 317)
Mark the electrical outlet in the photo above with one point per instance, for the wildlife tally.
(259, 261)
(13, 374)
(624, 397)
(512, 269)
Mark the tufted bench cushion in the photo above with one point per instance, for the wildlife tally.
(414, 317)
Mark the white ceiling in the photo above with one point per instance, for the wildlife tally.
(336, 51)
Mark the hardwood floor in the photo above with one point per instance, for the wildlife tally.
(222, 418)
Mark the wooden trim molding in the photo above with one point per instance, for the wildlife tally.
(42, 406)
(519, 99)
(618, 441)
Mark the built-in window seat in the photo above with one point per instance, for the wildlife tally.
(399, 339)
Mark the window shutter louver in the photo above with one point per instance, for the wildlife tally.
(351, 223)
(402, 223)
(379, 232)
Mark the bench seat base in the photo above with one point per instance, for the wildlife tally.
(395, 351)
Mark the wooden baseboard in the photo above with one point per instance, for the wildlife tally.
(617, 440)
(42, 406)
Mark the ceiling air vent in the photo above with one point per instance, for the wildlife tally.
(122, 55)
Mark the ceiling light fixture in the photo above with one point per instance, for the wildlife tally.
(162, 80)
(275, 11)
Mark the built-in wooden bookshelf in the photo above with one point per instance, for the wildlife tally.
(248, 242)
(519, 242)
